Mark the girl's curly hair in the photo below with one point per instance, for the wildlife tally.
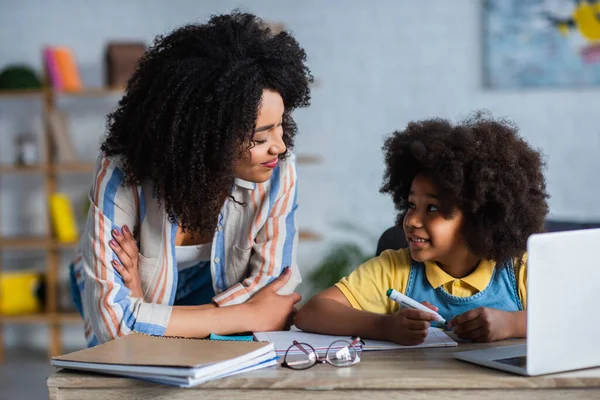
(480, 166)
(190, 109)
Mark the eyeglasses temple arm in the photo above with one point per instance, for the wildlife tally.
(301, 348)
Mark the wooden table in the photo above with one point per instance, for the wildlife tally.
(403, 374)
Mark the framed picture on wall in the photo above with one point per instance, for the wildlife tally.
(541, 43)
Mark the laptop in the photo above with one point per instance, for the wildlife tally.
(563, 308)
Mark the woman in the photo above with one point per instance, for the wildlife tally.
(197, 168)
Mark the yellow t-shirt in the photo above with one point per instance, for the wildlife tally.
(365, 288)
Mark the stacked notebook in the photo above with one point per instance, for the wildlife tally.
(172, 361)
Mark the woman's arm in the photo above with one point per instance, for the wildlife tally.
(106, 300)
(265, 311)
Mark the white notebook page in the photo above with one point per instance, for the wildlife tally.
(282, 340)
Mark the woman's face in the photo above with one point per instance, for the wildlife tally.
(267, 143)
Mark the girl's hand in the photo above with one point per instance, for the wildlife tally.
(125, 247)
(408, 326)
(484, 324)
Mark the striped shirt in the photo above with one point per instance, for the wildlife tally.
(253, 242)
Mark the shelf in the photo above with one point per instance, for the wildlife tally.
(308, 159)
(64, 246)
(85, 92)
(17, 169)
(77, 167)
(25, 242)
(68, 318)
(21, 93)
(42, 318)
(82, 167)
(308, 235)
(92, 92)
(34, 243)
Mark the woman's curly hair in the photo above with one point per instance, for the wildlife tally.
(190, 108)
(480, 166)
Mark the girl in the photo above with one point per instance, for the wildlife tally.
(197, 168)
(469, 196)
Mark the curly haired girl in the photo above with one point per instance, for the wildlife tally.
(468, 195)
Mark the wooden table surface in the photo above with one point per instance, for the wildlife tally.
(418, 374)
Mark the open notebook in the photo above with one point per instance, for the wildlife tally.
(175, 361)
(284, 339)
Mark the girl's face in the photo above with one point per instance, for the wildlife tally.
(267, 143)
(432, 236)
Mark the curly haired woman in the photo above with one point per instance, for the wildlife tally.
(468, 195)
(197, 171)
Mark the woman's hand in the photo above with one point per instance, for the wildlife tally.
(271, 311)
(484, 324)
(126, 249)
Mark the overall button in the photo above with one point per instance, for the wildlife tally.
(217, 260)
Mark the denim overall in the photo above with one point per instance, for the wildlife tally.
(501, 293)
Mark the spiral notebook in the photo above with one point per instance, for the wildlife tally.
(176, 361)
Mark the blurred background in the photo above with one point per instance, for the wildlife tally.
(377, 65)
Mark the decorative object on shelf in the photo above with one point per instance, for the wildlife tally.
(18, 293)
(18, 77)
(63, 218)
(62, 69)
(121, 61)
(27, 150)
(52, 71)
(61, 137)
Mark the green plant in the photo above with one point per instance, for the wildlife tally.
(342, 258)
(19, 77)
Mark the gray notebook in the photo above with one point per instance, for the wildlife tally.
(166, 359)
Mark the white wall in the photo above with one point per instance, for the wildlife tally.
(380, 64)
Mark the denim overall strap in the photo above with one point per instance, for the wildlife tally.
(501, 292)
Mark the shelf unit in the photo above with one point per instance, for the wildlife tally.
(49, 170)
(52, 316)
(45, 317)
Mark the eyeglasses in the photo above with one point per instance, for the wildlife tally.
(341, 353)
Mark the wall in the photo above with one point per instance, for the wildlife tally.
(379, 63)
